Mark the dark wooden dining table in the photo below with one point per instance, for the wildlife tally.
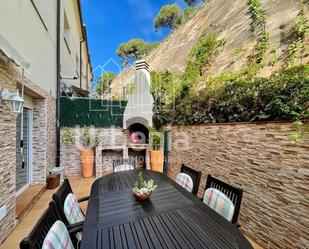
(172, 218)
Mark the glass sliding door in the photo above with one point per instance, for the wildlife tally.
(23, 149)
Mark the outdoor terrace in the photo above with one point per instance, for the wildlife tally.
(81, 187)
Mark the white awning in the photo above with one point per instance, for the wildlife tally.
(12, 54)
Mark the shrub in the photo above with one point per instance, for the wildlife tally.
(189, 13)
(241, 97)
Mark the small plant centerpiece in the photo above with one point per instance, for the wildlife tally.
(143, 190)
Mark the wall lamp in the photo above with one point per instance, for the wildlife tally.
(15, 101)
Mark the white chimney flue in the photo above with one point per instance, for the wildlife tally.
(139, 108)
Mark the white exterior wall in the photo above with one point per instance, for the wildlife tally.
(69, 53)
(21, 25)
(68, 56)
(86, 67)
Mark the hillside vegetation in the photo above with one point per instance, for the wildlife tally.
(246, 37)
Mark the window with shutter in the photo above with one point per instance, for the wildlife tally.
(67, 32)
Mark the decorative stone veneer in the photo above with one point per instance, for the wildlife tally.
(44, 132)
(7, 151)
(70, 160)
(263, 160)
(113, 145)
(44, 136)
(110, 139)
(51, 137)
(39, 141)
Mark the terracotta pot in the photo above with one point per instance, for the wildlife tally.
(87, 161)
(156, 160)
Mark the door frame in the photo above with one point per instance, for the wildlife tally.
(29, 152)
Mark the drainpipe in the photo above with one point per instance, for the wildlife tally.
(58, 84)
(81, 62)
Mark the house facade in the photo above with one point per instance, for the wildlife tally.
(43, 51)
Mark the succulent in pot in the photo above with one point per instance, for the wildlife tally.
(143, 190)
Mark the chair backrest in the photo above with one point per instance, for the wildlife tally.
(185, 181)
(59, 198)
(39, 232)
(219, 202)
(233, 193)
(58, 237)
(72, 210)
(195, 176)
(124, 164)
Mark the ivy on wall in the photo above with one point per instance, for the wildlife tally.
(258, 26)
(297, 37)
(86, 112)
(195, 97)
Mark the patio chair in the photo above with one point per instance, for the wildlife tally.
(58, 237)
(185, 181)
(195, 176)
(233, 193)
(124, 164)
(46, 222)
(219, 202)
(68, 206)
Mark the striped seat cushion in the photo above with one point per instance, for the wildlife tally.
(185, 181)
(123, 167)
(218, 201)
(73, 213)
(57, 237)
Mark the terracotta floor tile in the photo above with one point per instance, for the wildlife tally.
(23, 201)
(81, 187)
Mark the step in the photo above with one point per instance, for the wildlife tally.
(26, 200)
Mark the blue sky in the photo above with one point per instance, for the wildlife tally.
(110, 23)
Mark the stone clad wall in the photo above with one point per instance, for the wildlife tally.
(114, 145)
(51, 133)
(7, 152)
(264, 161)
(44, 135)
(110, 138)
(39, 141)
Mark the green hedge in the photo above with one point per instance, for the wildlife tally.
(235, 98)
(86, 112)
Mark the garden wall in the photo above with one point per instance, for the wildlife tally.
(262, 159)
(113, 145)
(110, 138)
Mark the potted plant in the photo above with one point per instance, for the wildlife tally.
(68, 136)
(88, 141)
(156, 155)
(143, 190)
